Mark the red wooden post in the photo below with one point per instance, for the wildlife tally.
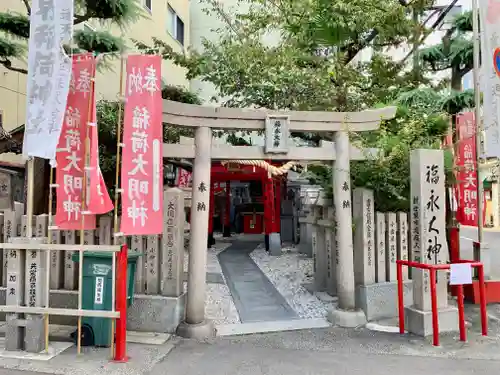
(482, 298)
(121, 306)
(227, 211)
(401, 305)
(277, 206)
(435, 319)
(211, 210)
(461, 313)
(454, 244)
(268, 208)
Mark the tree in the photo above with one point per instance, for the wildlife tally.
(388, 175)
(289, 72)
(455, 53)
(308, 63)
(15, 28)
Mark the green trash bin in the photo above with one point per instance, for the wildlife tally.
(96, 294)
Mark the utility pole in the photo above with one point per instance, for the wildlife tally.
(477, 115)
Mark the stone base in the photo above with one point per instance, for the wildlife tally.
(34, 338)
(420, 322)
(211, 277)
(274, 244)
(14, 333)
(226, 232)
(200, 331)
(25, 334)
(210, 240)
(379, 301)
(156, 313)
(146, 314)
(305, 244)
(346, 318)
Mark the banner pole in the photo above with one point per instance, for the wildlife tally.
(83, 211)
(47, 257)
(477, 116)
(119, 354)
(30, 188)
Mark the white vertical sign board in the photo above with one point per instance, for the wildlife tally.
(428, 224)
(277, 134)
(49, 73)
(391, 251)
(489, 20)
(363, 217)
(402, 236)
(381, 248)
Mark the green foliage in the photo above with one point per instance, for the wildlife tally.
(97, 41)
(14, 29)
(458, 101)
(455, 51)
(9, 48)
(269, 55)
(118, 12)
(179, 94)
(388, 174)
(15, 24)
(266, 55)
(463, 22)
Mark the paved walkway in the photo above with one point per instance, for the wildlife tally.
(255, 297)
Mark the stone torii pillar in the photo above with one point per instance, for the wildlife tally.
(195, 324)
(346, 314)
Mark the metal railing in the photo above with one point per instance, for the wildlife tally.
(433, 268)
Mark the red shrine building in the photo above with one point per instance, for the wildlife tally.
(249, 199)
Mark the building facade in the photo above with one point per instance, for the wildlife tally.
(166, 20)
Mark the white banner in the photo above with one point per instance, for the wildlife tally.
(489, 16)
(49, 74)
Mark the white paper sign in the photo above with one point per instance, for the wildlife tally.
(460, 274)
(49, 74)
(99, 290)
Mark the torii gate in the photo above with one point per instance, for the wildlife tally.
(277, 126)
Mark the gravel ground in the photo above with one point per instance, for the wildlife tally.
(219, 305)
(288, 273)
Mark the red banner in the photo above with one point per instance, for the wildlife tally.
(184, 178)
(467, 172)
(70, 156)
(142, 159)
(97, 196)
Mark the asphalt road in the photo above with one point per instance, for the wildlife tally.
(320, 352)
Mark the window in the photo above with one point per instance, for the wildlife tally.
(148, 4)
(175, 26)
